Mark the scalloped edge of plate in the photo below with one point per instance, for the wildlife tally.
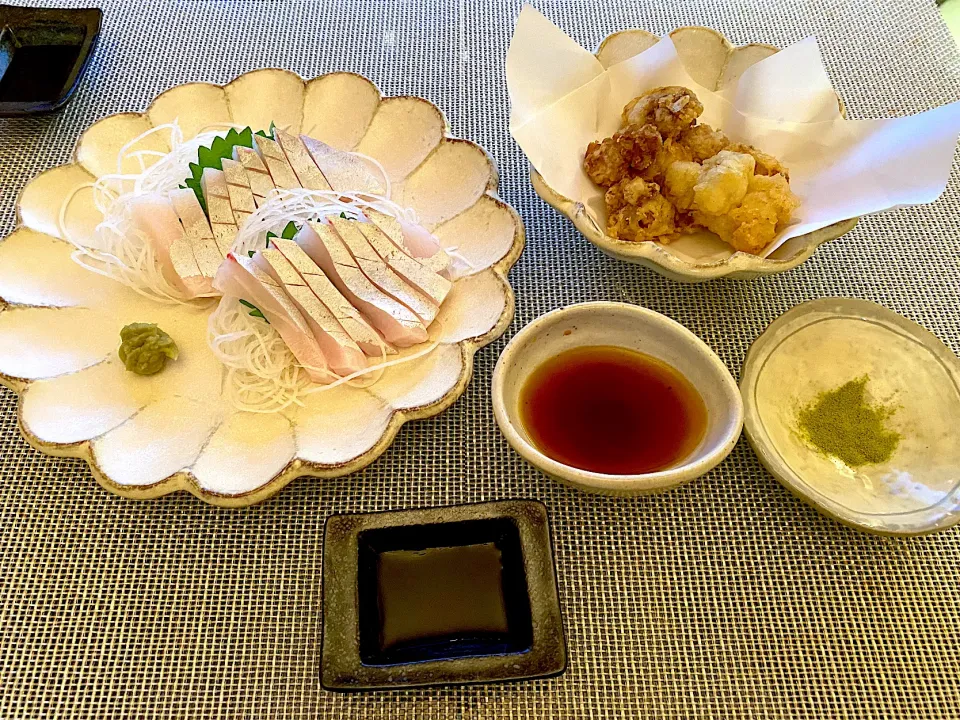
(295, 468)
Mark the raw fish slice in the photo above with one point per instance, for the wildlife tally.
(346, 314)
(413, 240)
(224, 227)
(380, 275)
(242, 278)
(238, 188)
(412, 271)
(341, 352)
(345, 171)
(197, 230)
(155, 216)
(258, 176)
(397, 322)
(303, 165)
(276, 162)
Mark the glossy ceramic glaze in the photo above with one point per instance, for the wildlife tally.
(636, 328)
(826, 343)
(146, 437)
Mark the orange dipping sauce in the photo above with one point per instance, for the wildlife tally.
(612, 410)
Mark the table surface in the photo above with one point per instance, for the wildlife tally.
(726, 598)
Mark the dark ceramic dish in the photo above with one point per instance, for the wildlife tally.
(463, 594)
(43, 52)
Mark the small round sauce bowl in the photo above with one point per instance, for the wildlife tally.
(634, 328)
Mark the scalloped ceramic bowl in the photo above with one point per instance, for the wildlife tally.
(144, 437)
(713, 62)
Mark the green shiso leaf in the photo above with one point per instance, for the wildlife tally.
(289, 232)
(212, 157)
(254, 311)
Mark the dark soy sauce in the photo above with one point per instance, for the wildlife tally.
(612, 410)
(37, 72)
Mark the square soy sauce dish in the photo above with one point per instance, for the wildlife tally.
(43, 53)
(451, 595)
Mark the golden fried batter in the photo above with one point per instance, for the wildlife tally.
(637, 211)
(766, 164)
(735, 190)
(670, 109)
(669, 153)
(680, 180)
(703, 142)
(634, 148)
(765, 209)
(723, 182)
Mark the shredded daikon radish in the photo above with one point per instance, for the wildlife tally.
(299, 205)
(118, 249)
(262, 375)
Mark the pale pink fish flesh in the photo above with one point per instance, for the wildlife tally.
(197, 230)
(341, 352)
(346, 314)
(276, 162)
(414, 240)
(303, 165)
(398, 324)
(380, 274)
(411, 270)
(238, 188)
(155, 216)
(346, 172)
(258, 176)
(215, 193)
(241, 278)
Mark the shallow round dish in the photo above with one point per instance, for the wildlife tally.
(144, 437)
(636, 328)
(820, 345)
(713, 61)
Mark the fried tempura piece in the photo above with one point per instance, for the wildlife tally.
(765, 209)
(632, 149)
(723, 182)
(670, 109)
(715, 187)
(680, 180)
(766, 164)
(671, 152)
(637, 211)
(703, 142)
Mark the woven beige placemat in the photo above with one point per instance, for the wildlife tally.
(725, 599)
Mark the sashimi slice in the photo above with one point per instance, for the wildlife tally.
(155, 216)
(341, 352)
(258, 176)
(414, 240)
(346, 172)
(238, 188)
(224, 227)
(379, 274)
(303, 165)
(276, 162)
(397, 322)
(242, 278)
(197, 231)
(412, 271)
(347, 315)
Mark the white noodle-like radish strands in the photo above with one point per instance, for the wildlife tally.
(262, 375)
(299, 205)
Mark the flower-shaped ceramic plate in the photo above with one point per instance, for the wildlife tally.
(713, 62)
(144, 437)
